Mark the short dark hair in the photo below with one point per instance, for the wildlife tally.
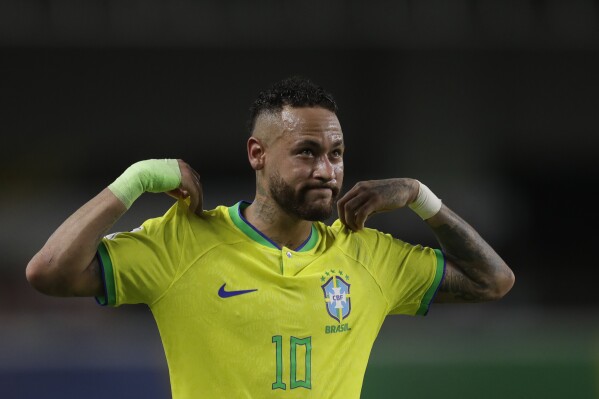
(295, 91)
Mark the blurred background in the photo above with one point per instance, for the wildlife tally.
(494, 105)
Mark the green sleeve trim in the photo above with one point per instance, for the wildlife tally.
(432, 290)
(109, 297)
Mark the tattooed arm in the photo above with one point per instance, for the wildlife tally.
(474, 272)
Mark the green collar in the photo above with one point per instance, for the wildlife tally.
(252, 232)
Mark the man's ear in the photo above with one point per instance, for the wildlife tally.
(256, 153)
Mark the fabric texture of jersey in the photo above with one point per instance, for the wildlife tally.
(241, 318)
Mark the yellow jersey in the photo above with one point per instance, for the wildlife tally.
(240, 317)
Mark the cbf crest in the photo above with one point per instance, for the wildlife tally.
(336, 295)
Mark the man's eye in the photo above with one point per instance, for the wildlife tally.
(337, 153)
(307, 152)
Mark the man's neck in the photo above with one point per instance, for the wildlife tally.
(278, 226)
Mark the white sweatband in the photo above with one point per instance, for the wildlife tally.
(427, 204)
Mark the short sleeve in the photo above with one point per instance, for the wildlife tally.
(409, 275)
(139, 266)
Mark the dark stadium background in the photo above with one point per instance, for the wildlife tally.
(494, 105)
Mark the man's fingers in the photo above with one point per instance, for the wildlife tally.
(350, 211)
(194, 201)
(178, 193)
(190, 187)
(199, 200)
(341, 210)
(199, 203)
(362, 213)
(346, 214)
(195, 175)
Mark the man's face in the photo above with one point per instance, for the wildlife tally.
(304, 168)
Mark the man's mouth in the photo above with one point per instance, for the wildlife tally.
(323, 189)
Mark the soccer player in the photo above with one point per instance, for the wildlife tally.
(262, 299)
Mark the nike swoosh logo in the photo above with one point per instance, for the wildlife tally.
(227, 294)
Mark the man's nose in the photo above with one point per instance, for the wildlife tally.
(324, 169)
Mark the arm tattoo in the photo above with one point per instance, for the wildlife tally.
(475, 266)
(458, 287)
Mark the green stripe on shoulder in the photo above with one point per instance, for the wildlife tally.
(430, 293)
(109, 297)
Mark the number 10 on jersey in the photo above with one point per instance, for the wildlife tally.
(297, 346)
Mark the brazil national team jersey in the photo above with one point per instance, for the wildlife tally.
(240, 317)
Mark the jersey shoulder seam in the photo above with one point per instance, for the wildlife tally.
(192, 262)
(179, 275)
(176, 268)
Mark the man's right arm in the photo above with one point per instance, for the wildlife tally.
(67, 264)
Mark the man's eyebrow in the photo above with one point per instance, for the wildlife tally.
(306, 142)
(338, 142)
(313, 143)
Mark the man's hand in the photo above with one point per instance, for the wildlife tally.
(190, 187)
(373, 196)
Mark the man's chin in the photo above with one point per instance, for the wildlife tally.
(318, 213)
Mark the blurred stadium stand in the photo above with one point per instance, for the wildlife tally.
(271, 23)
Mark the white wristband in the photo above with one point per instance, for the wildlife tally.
(427, 204)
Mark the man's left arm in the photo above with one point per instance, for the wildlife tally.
(474, 271)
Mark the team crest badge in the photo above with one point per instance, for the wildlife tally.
(337, 298)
